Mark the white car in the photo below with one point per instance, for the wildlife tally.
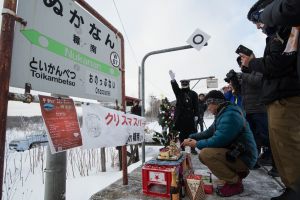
(28, 142)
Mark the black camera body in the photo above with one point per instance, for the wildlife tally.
(235, 151)
(230, 76)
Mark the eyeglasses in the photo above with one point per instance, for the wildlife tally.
(212, 100)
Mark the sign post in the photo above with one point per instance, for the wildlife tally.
(78, 53)
(6, 43)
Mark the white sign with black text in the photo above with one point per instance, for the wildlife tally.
(63, 49)
(212, 83)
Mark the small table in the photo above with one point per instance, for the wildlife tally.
(157, 174)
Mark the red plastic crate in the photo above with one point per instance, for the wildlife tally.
(157, 180)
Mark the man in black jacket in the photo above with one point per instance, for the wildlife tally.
(281, 94)
(186, 112)
(202, 109)
(281, 13)
(136, 108)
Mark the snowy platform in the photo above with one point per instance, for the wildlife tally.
(258, 185)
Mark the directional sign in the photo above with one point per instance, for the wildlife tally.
(65, 50)
(198, 39)
(212, 83)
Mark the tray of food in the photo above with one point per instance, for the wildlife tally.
(171, 152)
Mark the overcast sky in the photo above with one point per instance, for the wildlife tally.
(158, 24)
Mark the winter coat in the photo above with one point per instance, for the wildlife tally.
(282, 13)
(136, 110)
(186, 108)
(280, 79)
(251, 92)
(229, 127)
(235, 99)
(202, 108)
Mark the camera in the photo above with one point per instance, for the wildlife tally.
(235, 79)
(230, 76)
(235, 151)
(244, 50)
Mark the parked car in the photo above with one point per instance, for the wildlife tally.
(28, 142)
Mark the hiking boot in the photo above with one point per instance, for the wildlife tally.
(230, 189)
(288, 194)
(273, 172)
(243, 174)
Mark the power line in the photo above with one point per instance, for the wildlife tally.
(131, 48)
(134, 55)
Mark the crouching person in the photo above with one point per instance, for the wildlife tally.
(227, 147)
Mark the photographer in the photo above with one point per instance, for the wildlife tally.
(281, 89)
(233, 95)
(256, 114)
(283, 12)
(227, 147)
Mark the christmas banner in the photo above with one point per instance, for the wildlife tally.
(62, 123)
(104, 127)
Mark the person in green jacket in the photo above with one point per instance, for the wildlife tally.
(227, 147)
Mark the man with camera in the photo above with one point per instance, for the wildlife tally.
(283, 12)
(233, 95)
(281, 94)
(227, 147)
(256, 113)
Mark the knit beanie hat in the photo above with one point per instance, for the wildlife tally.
(255, 10)
(215, 96)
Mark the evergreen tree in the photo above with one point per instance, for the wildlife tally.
(166, 120)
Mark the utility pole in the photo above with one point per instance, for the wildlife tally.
(6, 45)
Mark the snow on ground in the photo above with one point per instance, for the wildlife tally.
(24, 177)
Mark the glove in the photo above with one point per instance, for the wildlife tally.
(172, 75)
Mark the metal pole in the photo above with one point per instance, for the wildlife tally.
(193, 79)
(55, 173)
(143, 81)
(139, 83)
(6, 45)
(55, 176)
